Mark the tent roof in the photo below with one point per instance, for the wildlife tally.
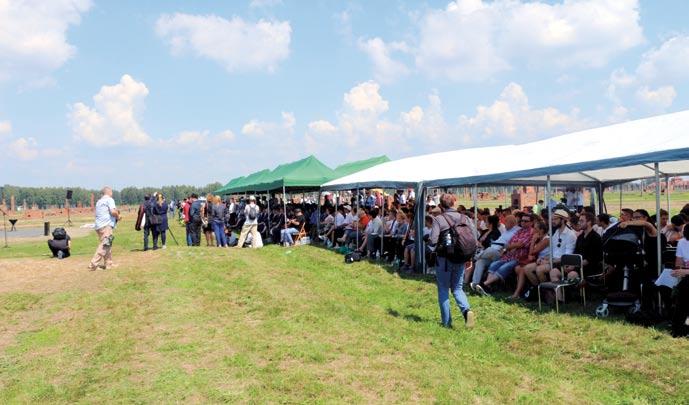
(242, 183)
(608, 155)
(229, 185)
(359, 165)
(307, 173)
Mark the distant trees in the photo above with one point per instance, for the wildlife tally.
(55, 196)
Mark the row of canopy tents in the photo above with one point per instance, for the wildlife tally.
(306, 174)
(600, 157)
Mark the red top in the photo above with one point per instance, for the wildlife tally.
(522, 236)
(185, 211)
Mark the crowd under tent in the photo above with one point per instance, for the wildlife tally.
(655, 147)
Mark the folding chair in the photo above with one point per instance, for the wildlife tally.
(575, 261)
(301, 234)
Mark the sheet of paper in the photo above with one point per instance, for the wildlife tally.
(667, 279)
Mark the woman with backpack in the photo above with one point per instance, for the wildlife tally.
(251, 212)
(207, 227)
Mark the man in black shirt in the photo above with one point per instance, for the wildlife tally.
(589, 246)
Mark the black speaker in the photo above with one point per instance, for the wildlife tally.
(69, 195)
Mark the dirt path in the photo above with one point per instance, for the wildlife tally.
(41, 275)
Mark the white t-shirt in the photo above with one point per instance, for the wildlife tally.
(683, 251)
(567, 241)
(339, 219)
(104, 208)
(349, 219)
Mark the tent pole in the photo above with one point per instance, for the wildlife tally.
(550, 221)
(475, 198)
(358, 224)
(667, 193)
(268, 199)
(318, 216)
(420, 218)
(284, 203)
(620, 198)
(601, 204)
(659, 261)
(382, 237)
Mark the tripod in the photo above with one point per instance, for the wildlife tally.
(69, 219)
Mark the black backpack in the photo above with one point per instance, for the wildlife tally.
(352, 257)
(458, 243)
(252, 213)
(59, 234)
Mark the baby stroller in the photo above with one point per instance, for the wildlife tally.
(624, 250)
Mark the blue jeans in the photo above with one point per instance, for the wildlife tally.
(503, 268)
(449, 277)
(287, 235)
(220, 238)
(188, 230)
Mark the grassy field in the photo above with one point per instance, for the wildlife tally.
(208, 325)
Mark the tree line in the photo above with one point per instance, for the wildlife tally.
(45, 197)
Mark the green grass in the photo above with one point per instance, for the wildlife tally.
(298, 325)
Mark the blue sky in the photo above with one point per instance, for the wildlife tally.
(149, 93)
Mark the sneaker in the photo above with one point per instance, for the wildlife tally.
(479, 289)
(92, 267)
(60, 254)
(469, 318)
(472, 286)
(164, 247)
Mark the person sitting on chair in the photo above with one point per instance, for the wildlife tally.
(60, 244)
(294, 226)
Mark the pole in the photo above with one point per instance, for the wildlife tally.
(550, 221)
(358, 224)
(284, 211)
(420, 218)
(474, 197)
(269, 234)
(620, 198)
(318, 215)
(667, 193)
(659, 259)
(382, 216)
(601, 204)
(4, 221)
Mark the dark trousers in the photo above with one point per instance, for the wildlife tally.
(147, 231)
(195, 232)
(681, 310)
(156, 234)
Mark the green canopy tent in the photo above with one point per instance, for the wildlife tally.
(353, 167)
(232, 183)
(245, 184)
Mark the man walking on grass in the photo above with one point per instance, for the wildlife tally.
(106, 218)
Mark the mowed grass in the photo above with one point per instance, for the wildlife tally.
(209, 325)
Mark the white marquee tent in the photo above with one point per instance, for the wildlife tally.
(651, 147)
(607, 155)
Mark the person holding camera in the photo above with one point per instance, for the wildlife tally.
(106, 219)
(159, 220)
(449, 274)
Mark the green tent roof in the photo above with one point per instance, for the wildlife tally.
(304, 174)
(353, 167)
(229, 185)
(243, 184)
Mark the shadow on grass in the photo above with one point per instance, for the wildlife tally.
(406, 317)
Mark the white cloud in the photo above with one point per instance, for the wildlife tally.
(24, 149)
(258, 128)
(667, 63)
(472, 40)
(653, 82)
(196, 140)
(511, 118)
(322, 127)
(114, 118)
(365, 98)
(660, 98)
(5, 128)
(236, 44)
(33, 36)
(386, 69)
